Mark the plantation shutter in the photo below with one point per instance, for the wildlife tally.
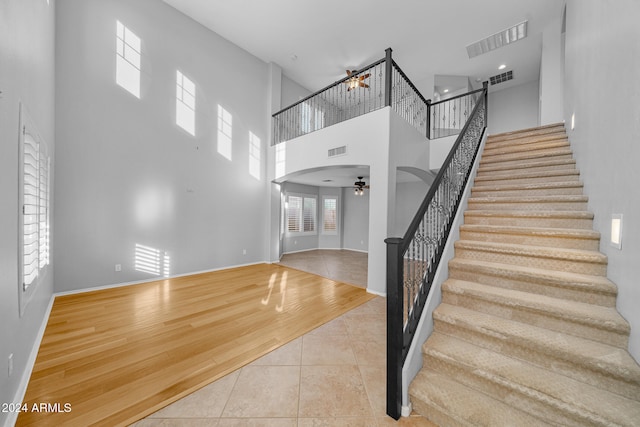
(329, 215)
(294, 208)
(30, 212)
(309, 214)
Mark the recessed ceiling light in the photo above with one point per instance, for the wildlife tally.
(502, 67)
(446, 90)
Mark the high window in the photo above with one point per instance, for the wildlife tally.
(35, 198)
(311, 118)
(225, 132)
(254, 155)
(128, 59)
(185, 103)
(301, 214)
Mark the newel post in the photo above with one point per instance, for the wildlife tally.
(394, 326)
(387, 77)
(428, 119)
(485, 86)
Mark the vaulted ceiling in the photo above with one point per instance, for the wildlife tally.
(316, 41)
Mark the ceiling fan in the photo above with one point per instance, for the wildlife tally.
(354, 81)
(359, 186)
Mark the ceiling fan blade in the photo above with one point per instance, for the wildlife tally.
(366, 76)
(364, 85)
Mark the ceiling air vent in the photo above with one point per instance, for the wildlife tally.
(338, 151)
(501, 78)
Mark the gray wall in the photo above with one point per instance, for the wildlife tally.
(409, 196)
(513, 108)
(602, 65)
(126, 173)
(356, 221)
(27, 76)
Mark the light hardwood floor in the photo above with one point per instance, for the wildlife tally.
(117, 355)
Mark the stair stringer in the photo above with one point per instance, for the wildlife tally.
(413, 362)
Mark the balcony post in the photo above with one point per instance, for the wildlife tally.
(387, 77)
(428, 119)
(485, 86)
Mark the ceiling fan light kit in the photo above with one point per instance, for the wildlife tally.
(359, 186)
(354, 82)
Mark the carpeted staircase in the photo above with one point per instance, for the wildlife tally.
(527, 333)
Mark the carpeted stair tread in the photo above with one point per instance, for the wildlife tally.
(543, 164)
(557, 237)
(525, 186)
(610, 324)
(532, 279)
(530, 387)
(565, 173)
(449, 403)
(526, 155)
(529, 203)
(533, 131)
(574, 260)
(524, 218)
(523, 143)
(530, 146)
(573, 356)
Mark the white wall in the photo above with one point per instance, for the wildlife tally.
(602, 89)
(292, 92)
(513, 108)
(26, 75)
(551, 91)
(127, 174)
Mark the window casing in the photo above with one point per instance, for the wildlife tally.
(301, 214)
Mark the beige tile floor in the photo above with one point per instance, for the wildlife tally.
(332, 376)
(342, 265)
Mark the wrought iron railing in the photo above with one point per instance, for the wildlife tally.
(377, 85)
(412, 260)
(447, 117)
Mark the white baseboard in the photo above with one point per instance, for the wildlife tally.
(380, 294)
(31, 361)
(405, 411)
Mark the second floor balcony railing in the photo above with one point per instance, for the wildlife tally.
(377, 85)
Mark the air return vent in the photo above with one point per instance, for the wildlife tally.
(501, 78)
(338, 151)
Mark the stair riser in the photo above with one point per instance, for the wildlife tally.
(480, 192)
(433, 413)
(572, 266)
(571, 177)
(530, 147)
(522, 239)
(546, 358)
(527, 206)
(513, 398)
(539, 319)
(550, 138)
(504, 279)
(524, 160)
(581, 224)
